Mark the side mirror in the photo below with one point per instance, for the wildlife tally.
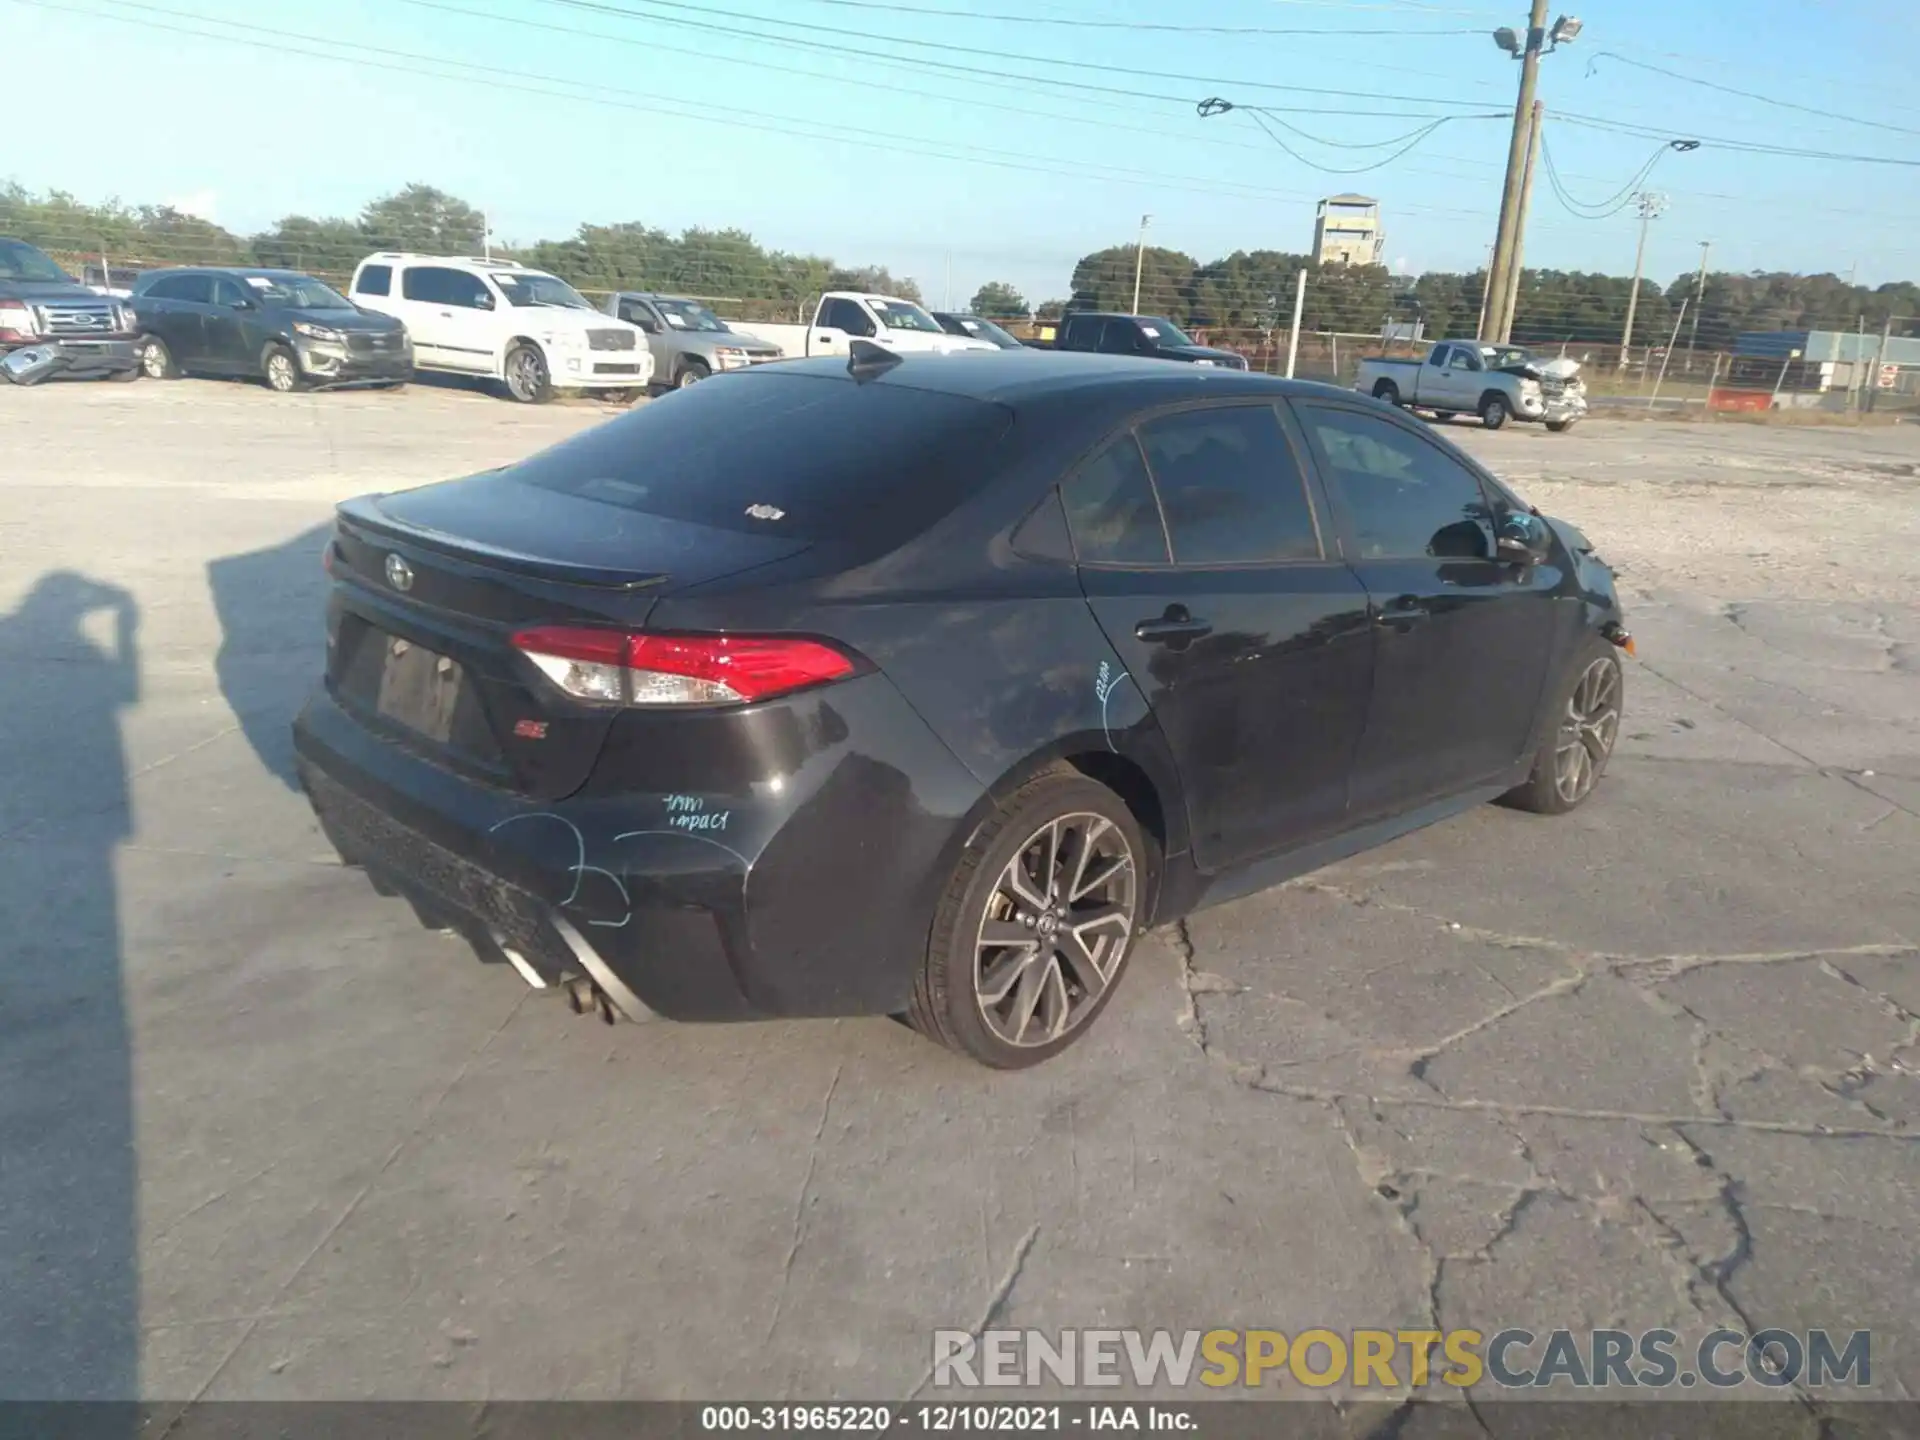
(1522, 539)
(245, 302)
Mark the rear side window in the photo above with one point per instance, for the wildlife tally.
(806, 457)
(374, 280)
(1232, 492)
(1111, 510)
(167, 287)
(198, 289)
(437, 285)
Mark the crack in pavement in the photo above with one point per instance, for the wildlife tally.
(995, 1302)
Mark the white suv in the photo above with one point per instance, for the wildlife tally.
(524, 327)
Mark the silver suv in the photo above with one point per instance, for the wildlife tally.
(689, 342)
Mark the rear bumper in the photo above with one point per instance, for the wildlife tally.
(809, 894)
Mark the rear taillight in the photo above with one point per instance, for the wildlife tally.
(650, 670)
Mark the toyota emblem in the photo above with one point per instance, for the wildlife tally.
(399, 573)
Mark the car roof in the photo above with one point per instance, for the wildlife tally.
(1026, 377)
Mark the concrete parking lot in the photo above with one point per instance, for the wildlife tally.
(263, 1137)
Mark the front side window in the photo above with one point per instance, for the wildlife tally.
(1111, 510)
(374, 280)
(1231, 489)
(1119, 338)
(1405, 496)
(846, 315)
(228, 292)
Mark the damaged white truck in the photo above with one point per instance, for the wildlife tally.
(1470, 377)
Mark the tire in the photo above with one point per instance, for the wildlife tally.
(1594, 681)
(526, 374)
(954, 997)
(1388, 391)
(280, 368)
(1559, 427)
(1493, 411)
(156, 360)
(692, 372)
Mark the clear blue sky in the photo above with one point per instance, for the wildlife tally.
(732, 136)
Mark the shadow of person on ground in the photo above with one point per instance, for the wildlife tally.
(69, 1277)
(271, 605)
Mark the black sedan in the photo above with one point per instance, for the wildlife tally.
(280, 326)
(905, 686)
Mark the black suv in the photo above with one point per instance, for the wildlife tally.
(1153, 336)
(51, 323)
(280, 326)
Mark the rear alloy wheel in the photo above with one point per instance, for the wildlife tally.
(1034, 931)
(528, 380)
(692, 372)
(282, 370)
(1575, 756)
(1493, 412)
(156, 361)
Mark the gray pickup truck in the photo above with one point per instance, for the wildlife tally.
(51, 324)
(689, 342)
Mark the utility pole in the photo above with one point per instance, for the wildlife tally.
(1140, 260)
(1699, 297)
(1529, 56)
(1886, 338)
(1535, 138)
(1650, 207)
(1486, 289)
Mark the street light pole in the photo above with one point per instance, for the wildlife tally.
(1650, 207)
(1140, 260)
(1529, 54)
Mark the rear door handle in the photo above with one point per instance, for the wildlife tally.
(1403, 614)
(1173, 628)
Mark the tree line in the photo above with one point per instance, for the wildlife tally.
(1247, 293)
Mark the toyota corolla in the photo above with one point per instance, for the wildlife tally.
(895, 687)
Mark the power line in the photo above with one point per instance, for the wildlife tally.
(621, 12)
(1182, 28)
(1821, 111)
(653, 102)
(1644, 132)
(1601, 209)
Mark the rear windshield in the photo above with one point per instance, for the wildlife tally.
(800, 456)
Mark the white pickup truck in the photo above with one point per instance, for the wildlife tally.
(843, 316)
(1470, 377)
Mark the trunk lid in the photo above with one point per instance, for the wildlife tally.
(431, 584)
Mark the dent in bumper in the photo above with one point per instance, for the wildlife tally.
(808, 894)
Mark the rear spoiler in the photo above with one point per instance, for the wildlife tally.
(364, 517)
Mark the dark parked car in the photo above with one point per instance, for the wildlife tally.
(51, 324)
(973, 327)
(706, 713)
(1153, 336)
(280, 326)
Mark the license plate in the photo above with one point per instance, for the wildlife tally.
(419, 689)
